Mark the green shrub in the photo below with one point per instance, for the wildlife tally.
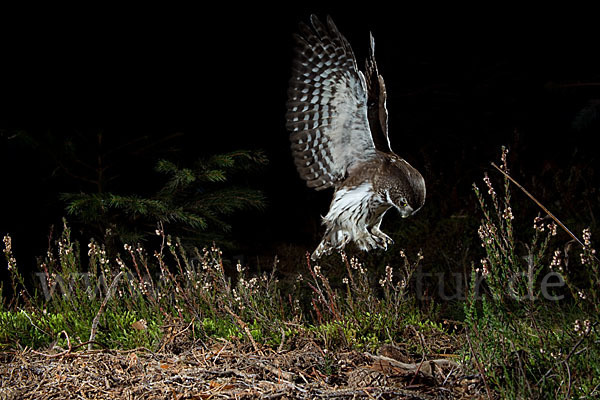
(530, 341)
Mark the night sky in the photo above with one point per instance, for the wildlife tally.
(460, 84)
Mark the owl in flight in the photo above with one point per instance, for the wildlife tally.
(337, 119)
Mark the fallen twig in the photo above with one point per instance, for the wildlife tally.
(288, 376)
(416, 367)
(112, 374)
(61, 353)
(371, 391)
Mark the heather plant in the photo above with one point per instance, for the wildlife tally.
(126, 300)
(530, 317)
(582, 274)
(531, 330)
(17, 281)
(362, 313)
(509, 273)
(121, 302)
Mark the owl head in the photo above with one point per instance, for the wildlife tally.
(407, 191)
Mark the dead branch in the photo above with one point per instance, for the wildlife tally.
(244, 326)
(423, 366)
(542, 207)
(109, 294)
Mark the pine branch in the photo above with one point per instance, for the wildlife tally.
(228, 201)
(190, 200)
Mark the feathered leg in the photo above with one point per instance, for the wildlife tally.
(332, 240)
(355, 215)
(378, 236)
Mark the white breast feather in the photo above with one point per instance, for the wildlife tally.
(347, 216)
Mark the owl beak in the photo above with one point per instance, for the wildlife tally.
(405, 212)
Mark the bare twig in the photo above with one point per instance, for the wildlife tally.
(479, 367)
(172, 337)
(108, 374)
(244, 326)
(417, 367)
(371, 391)
(568, 357)
(542, 207)
(61, 353)
(277, 371)
(516, 352)
(109, 294)
(31, 322)
(282, 341)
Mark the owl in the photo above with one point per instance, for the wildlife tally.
(337, 118)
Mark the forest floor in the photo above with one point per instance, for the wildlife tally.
(233, 370)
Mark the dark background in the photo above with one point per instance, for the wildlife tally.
(461, 83)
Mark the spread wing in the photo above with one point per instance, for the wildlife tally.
(376, 98)
(327, 106)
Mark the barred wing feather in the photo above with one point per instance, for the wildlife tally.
(327, 107)
(376, 102)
